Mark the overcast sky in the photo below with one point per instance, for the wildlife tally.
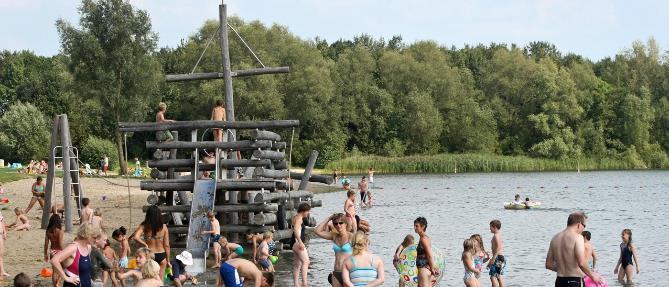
(595, 29)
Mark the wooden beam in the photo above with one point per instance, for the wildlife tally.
(269, 173)
(187, 185)
(268, 207)
(227, 228)
(282, 234)
(236, 145)
(205, 124)
(304, 181)
(280, 164)
(272, 196)
(264, 219)
(326, 179)
(265, 135)
(219, 75)
(268, 154)
(187, 164)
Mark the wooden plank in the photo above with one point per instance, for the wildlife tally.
(187, 185)
(269, 173)
(236, 145)
(272, 196)
(219, 75)
(227, 228)
(50, 173)
(264, 219)
(265, 135)
(268, 207)
(205, 124)
(268, 154)
(326, 179)
(225, 163)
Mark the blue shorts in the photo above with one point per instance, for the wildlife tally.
(230, 276)
(123, 262)
(497, 268)
(215, 238)
(264, 263)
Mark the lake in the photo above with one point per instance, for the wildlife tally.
(458, 205)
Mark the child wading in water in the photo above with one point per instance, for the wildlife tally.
(263, 254)
(480, 255)
(497, 261)
(590, 254)
(468, 254)
(625, 265)
(21, 222)
(408, 241)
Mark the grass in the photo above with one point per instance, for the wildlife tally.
(9, 175)
(449, 163)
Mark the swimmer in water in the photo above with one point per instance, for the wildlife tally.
(468, 254)
(627, 260)
(480, 255)
(590, 254)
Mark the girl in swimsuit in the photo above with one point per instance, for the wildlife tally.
(349, 210)
(54, 238)
(3, 237)
(152, 234)
(471, 273)
(408, 241)
(424, 258)
(363, 269)
(76, 258)
(341, 243)
(627, 260)
(480, 255)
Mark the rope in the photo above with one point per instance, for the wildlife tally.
(247, 46)
(205, 49)
(127, 176)
(290, 159)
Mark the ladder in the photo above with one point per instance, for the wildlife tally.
(75, 183)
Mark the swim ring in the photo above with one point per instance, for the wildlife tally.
(510, 205)
(590, 283)
(406, 266)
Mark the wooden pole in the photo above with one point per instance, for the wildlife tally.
(265, 135)
(235, 145)
(269, 207)
(67, 179)
(205, 124)
(219, 75)
(187, 185)
(48, 197)
(187, 164)
(308, 169)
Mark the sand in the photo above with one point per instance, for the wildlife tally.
(24, 250)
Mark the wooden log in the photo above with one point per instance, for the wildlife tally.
(265, 135)
(264, 219)
(326, 179)
(279, 145)
(282, 234)
(227, 228)
(157, 174)
(236, 145)
(219, 75)
(268, 154)
(225, 163)
(306, 176)
(280, 164)
(268, 207)
(187, 185)
(205, 124)
(272, 196)
(269, 173)
(314, 203)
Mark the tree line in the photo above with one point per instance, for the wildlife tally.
(362, 95)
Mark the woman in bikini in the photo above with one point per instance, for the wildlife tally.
(74, 263)
(349, 210)
(152, 233)
(53, 242)
(362, 268)
(424, 259)
(37, 190)
(341, 243)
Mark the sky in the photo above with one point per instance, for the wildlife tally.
(595, 29)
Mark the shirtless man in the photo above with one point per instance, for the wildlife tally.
(218, 114)
(236, 272)
(497, 261)
(215, 234)
(566, 254)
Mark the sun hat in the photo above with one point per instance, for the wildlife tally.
(186, 258)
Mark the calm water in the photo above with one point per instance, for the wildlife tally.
(457, 206)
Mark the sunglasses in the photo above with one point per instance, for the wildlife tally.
(583, 224)
(338, 223)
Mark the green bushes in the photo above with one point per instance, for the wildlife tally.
(449, 163)
(24, 133)
(95, 148)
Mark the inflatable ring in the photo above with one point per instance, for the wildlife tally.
(408, 271)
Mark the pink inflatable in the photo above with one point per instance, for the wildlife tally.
(591, 283)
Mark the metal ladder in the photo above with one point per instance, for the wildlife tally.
(76, 194)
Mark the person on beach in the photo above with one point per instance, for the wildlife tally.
(230, 250)
(3, 237)
(218, 114)
(150, 275)
(215, 234)
(96, 219)
(627, 260)
(341, 237)
(165, 135)
(362, 187)
(110, 255)
(76, 258)
(370, 175)
(179, 275)
(143, 255)
(471, 273)
(105, 164)
(301, 261)
(53, 242)
(424, 259)
(497, 261)
(480, 255)
(240, 272)
(262, 257)
(124, 246)
(21, 222)
(566, 254)
(362, 268)
(86, 211)
(152, 233)
(22, 280)
(138, 168)
(408, 241)
(37, 189)
(349, 210)
(590, 254)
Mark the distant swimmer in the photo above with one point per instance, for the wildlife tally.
(516, 200)
(566, 254)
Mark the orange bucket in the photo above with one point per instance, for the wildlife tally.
(132, 264)
(45, 272)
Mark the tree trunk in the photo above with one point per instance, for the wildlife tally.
(119, 148)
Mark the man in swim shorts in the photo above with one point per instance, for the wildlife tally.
(566, 254)
(234, 273)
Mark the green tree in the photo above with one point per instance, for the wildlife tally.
(24, 133)
(423, 124)
(111, 60)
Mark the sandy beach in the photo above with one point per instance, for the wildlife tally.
(24, 250)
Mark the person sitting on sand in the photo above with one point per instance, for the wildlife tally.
(21, 222)
(236, 272)
(143, 255)
(179, 274)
